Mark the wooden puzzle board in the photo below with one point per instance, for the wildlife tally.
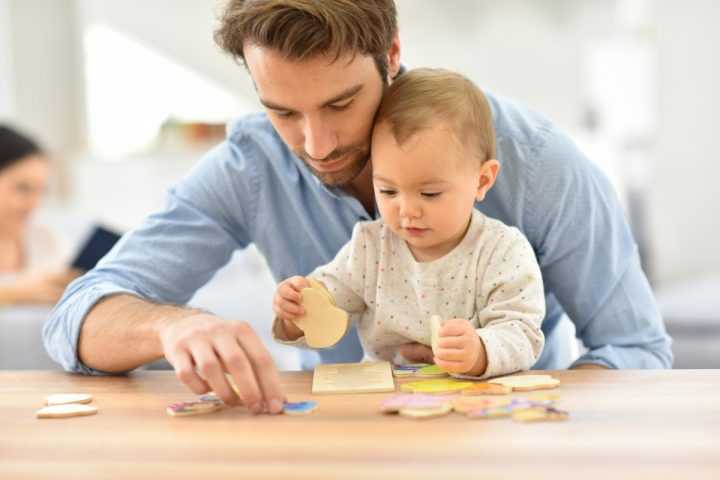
(369, 377)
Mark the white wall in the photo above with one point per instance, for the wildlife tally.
(7, 92)
(685, 191)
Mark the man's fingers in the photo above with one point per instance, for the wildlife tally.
(263, 366)
(209, 364)
(185, 371)
(236, 363)
(417, 352)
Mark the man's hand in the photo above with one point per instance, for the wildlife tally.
(459, 349)
(286, 305)
(218, 346)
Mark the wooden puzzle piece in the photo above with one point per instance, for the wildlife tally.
(368, 377)
(66, 398)
(486, 389)
(425, 413)
(323, 324)
(394, 403)
(299, 408)
(66, 410)
(316, 285)
(195, 407)
(431, 371)
(488, 413)
(466, 404)
(539, 414)
(435, 386)
(436, 323)
(524, 383)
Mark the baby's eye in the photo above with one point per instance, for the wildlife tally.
(431, 194)
(386, 191)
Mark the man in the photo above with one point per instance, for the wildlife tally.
(295, 180)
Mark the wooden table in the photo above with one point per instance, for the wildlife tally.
(623, 424)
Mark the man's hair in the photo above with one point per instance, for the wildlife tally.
(15, 146)
(426, 97)
(302, 29)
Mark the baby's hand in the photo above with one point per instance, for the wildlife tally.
(460, 350)
(286, 304)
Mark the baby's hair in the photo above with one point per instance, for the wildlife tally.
(425, 97)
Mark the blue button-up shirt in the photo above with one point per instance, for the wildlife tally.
(252, 189)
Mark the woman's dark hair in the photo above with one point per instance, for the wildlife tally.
(15, 146)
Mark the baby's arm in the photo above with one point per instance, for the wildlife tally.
(511, 307)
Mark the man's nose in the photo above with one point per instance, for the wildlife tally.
(320, 139)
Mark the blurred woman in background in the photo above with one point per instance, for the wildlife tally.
(33, 261)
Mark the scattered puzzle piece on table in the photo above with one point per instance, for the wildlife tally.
(435, 386)
(539, 414)
(488, 413)
(431, 371)
(408, 370)
(66, 398)
(299, 408)
(66, 410)
(424, 413)
(370, 377)
(464, 404)
(194, 407)
(323, 324)
(525, 383)
(487, 389)
(394, 403)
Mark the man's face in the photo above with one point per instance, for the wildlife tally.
(323, 110)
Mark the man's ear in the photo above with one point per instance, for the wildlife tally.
(488, 173)
(394, 58)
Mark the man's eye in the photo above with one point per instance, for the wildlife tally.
(281, 114)
(431, 194)
(342, 106)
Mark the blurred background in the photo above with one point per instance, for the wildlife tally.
(126, 96)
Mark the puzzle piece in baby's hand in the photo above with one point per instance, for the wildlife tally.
(408, 370)
(324, 324)
(524, 383)
(316, 285)
(431, 371)
(436, 323)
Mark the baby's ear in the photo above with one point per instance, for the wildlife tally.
(488, 173)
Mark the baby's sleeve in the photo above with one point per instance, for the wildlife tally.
(511, 306)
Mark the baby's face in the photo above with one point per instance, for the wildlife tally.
(425, 189)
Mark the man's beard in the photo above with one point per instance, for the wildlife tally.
(359, 154)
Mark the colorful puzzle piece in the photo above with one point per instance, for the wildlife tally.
(486, 389)
(299, 408)
(435, 386)
(195, 407)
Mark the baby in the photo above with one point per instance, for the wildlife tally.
(432, 252)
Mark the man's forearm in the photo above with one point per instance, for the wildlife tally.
(122, 332)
